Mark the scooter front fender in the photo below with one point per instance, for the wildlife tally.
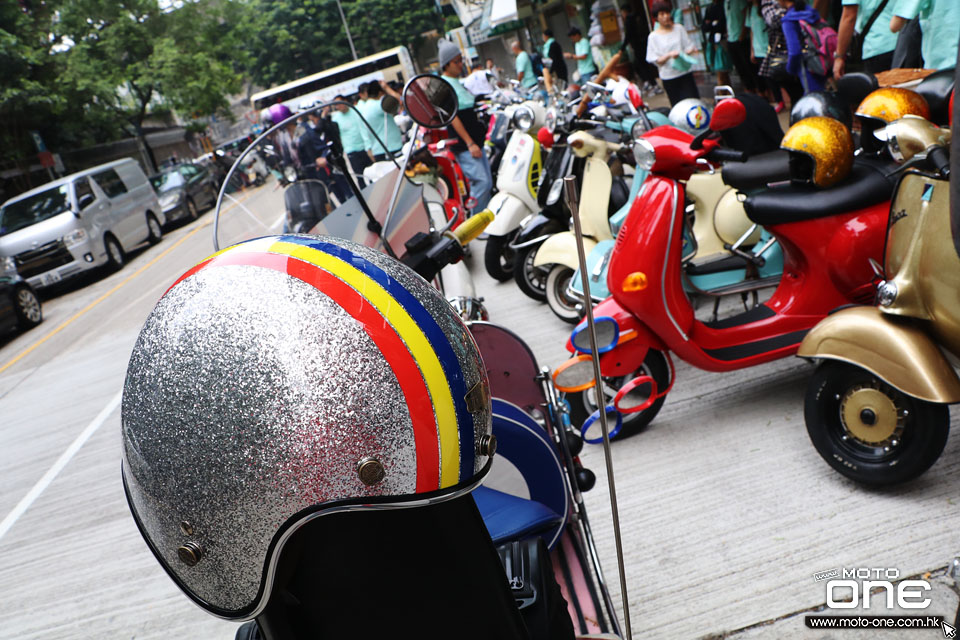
(509, 211)
(636, 340)
(561, 248)
(893, 349)
(538, 229)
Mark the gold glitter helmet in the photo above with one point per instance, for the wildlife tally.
(821, 151)
(884, 106)
(284, 379)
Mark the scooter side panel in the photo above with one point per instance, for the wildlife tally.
(561, 248)
(898, 352)
(509, 211)
(597, 182)
(520, 162)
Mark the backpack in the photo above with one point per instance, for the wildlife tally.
(537, 60)
(819, 47)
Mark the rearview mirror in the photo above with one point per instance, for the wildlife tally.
(727, 114)
(430, 101)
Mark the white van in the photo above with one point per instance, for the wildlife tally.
(79, 222)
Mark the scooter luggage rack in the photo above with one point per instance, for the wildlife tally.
(372, 224)
(573, 203)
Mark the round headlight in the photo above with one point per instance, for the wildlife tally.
(639, 128)
(551, 120)
(644, 154)
(523, 118)
(887, 294)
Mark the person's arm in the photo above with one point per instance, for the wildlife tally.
(390, 91)
(848, 18)
(897, 23)
(461, 130)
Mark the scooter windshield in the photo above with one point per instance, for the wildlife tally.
(295, 184)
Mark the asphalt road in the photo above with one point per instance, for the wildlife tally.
(727, 511)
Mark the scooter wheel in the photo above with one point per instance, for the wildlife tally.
(869, 431)
(498, 256)
(564, 306)
(584, 403)
(532, 280)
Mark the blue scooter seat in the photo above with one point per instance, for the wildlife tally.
(510, 517)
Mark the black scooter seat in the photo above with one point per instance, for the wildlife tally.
(758, 171)
(936, 90)
(869, 183)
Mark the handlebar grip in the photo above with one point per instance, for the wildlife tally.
(939, 159)
(726, 155)
(473, 227)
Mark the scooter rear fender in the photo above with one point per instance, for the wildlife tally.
(561, 248)
(635, 340)
(896, 351)
(509, 211)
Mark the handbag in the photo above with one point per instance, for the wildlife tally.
(855, 50)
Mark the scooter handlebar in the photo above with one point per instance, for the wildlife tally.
(726, 155)
(473, 227)
(939, 159)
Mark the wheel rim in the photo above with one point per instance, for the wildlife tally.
(192, 209)
(507, 255)
(536, 277)
(154, 227)
(29, 305)
(560, 292)
(870, 418)
(114, 250)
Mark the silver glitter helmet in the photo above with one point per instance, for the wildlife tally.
(287, 378)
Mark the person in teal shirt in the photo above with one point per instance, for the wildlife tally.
(878, 43)
(581, 47)
(380, 121)
(469, 130)
(354, 137)
(939, 24)
(524, 66)
(738, 43)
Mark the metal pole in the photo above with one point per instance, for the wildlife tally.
(573, 203)
(347, 29)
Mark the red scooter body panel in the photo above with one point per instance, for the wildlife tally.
(826, 265)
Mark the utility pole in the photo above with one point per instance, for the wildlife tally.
(347, 29)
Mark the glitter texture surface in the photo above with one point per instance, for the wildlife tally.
(250, 396)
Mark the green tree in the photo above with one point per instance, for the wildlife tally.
(380, 24)
(132, 56)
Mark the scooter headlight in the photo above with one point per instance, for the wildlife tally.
(639, 128)
(290, 173)
(886, 294)
(644, 154)
(523, 118)
(551, 120)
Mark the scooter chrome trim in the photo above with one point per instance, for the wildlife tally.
(666, 264)
(899, 353)
(528, 243)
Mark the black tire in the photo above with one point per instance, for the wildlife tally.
(192, 212)
(531, 280)
(115, 256)
(27, 306)
(563, 306)
(154, 230)
(584, 403)
(498, 256)
(905, 437)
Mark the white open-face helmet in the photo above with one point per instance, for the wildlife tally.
(691, 115)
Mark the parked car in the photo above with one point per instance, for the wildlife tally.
(19, 306)
(183, 190)
(80, 222)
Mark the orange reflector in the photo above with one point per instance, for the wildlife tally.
(636, 281)
(576, 374)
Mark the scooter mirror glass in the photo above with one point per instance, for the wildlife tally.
(430, 100)
(727, 115)
(608, 332)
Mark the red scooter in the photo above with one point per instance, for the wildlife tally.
(828, 236)
(452, 184)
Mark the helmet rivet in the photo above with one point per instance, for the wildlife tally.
(370, 471)
(487, 445)
(190, 554)
(186, 528)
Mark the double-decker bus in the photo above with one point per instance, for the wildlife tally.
(392, 64)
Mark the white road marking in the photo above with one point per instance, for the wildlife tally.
(59, 465)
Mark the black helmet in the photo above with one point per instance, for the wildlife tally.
(821, 103)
